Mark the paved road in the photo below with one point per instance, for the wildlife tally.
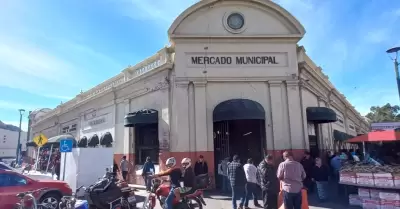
(218, 201)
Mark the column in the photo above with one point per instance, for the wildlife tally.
(279, 126)
(192, 122)
(295, 116)
(180, 118)
(203, 142)
(269, 135)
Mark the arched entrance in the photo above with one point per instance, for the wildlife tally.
(239, 129)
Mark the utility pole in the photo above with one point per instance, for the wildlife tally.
(395, 51)
(21, 112)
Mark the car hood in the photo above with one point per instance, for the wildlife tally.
(50, 181)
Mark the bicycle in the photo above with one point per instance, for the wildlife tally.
(29, 194)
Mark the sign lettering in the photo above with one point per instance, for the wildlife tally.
(97, 121)
(237, 60)
(242, 60)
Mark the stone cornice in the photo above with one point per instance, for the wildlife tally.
(317, 76)
(275, 83)
(117, 82)
(200, 83)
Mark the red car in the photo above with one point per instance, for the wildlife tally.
(12, 183)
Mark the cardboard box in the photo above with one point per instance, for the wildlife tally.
(348, 178)
(374, 193)
(390, 196)
(366, 179)
(363, 192)
(371, 204)
(354, 200)
(385, 204)
(397, 205)
(396, 179)
(383, 180)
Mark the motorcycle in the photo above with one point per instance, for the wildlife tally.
(110, 193)
(190, 200)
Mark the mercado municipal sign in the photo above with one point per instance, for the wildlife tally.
(279, 59)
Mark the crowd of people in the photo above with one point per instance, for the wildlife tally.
(286, 181)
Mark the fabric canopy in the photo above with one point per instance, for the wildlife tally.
(145, 116)
(377, 136)
(238, 109)
(341, 136)
(321, 115)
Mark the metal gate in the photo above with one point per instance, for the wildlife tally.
(221, 141)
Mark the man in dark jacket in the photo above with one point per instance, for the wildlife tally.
(148, 169)
(308, 164)
(201, 166)
(269, 182)
(237, 177)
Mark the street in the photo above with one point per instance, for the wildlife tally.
(218, 201)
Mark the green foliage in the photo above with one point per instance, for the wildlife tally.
(386, 113)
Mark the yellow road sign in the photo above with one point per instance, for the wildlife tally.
(40, 140)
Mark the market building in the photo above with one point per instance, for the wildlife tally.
(233, 81)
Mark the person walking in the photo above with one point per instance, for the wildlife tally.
(201, 166)
(292, 174)
(320, 175)
(148, 169)
(251, 186)
(269, 182)
(223, 171)
(124, 167)
(237, 178)
(308, 163)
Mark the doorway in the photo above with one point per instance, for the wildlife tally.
(238, 129)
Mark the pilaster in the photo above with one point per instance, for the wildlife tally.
(280, 131)
(180, 139)
(295, 117)
(203, 143)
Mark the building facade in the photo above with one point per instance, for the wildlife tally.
(233, 81)
(9, 142)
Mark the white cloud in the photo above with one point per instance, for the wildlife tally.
(161, 12)
(24, 124)
(8, 105)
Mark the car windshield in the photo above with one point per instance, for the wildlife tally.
(4, 166)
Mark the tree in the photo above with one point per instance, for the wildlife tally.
(386, 113)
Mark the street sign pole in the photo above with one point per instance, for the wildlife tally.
(66, 146)
(48, 161)
(65, 161)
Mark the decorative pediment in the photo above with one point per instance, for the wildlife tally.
(224, 18)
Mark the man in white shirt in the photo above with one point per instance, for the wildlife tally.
(251, 186)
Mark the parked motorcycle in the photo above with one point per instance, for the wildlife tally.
(110, 193)
(190, 200)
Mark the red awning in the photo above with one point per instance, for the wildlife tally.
(377, 136)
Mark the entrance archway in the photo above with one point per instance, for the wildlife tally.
(239, 129)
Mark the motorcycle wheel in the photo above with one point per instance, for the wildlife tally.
(194, 203)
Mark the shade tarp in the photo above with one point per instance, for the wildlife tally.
(238, 109)
(377, 136)
(57, 139)
(321, 115)
(144, 116)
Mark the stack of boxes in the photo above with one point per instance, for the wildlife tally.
(375, 199)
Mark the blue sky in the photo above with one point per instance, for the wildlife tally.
(50, 50)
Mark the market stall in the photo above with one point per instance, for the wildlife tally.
(376, 178)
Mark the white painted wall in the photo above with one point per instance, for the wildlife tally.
(9, 142)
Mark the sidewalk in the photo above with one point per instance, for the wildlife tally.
(216, 200)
